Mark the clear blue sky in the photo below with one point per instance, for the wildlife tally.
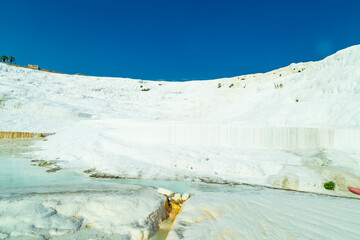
(175, 39)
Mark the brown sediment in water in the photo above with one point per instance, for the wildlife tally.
(46, 164)
(102, 175)
(90, 170)
(22, 135)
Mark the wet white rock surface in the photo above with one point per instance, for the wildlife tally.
(129, 211)
(221, 212)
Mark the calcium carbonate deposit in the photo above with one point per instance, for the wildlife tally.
(293, 128)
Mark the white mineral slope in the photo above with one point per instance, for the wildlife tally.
(305, 118)
(327, 92)
(263, 214)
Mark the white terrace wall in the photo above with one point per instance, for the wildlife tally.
(231, 135)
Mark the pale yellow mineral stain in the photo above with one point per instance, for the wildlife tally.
(21, 135)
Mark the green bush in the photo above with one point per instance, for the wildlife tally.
(219, 85)
(329, 185)
(231, 85)
(145, 89)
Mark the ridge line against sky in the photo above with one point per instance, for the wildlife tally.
(175, 40)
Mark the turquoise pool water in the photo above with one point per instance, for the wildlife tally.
(18, 175)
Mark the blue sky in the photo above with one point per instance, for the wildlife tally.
(175, 39)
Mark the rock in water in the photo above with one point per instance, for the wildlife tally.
(165, 192)
(177, 197)
(185, 197)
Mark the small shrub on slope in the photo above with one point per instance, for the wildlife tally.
(329, 185)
